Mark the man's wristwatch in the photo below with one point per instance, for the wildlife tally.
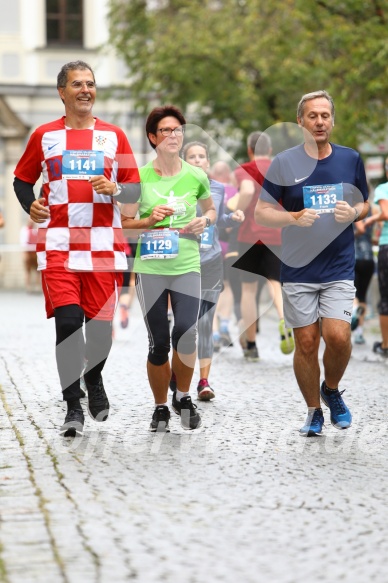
(208, 222)
(119, 188)
(357, 214)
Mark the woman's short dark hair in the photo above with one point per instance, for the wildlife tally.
(159, 113)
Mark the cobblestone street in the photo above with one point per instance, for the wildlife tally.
(244, 498)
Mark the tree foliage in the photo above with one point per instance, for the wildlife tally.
(245, 63)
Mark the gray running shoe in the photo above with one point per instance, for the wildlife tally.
(74, 423)
(160, 419)
(251, 354)
(225, 339)
(190, 419)
(378, 349)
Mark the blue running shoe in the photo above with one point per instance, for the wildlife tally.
(340, 416)
(314, 423)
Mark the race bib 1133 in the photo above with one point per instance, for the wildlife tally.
(322, 197)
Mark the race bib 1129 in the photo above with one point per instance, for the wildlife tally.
(159, 244)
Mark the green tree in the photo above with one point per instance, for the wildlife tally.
(245, 63)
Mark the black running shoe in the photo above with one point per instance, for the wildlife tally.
(74, 423)
(160, 419)
(190, 419)
(378, 349)
(98, 404)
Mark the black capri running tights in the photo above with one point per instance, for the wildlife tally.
(74, 352)
(363, 272)
(211, 284)
(382, 270)
(184, 291)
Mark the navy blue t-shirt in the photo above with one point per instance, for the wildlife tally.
(325, 251)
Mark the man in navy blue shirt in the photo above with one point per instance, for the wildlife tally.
(315, 191)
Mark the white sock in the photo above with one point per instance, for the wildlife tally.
(161, 405)
(179, 394)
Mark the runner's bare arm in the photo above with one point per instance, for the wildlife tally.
(274, 215)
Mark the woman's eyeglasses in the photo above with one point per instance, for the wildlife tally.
(166, 132)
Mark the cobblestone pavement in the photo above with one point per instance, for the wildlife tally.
(244, 498)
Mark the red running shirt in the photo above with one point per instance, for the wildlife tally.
(249, 231)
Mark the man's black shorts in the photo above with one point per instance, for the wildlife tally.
(258, 260)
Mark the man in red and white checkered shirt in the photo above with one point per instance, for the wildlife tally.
(86, 165)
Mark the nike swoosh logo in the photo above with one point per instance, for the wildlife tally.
(300, 179)
(51, 147)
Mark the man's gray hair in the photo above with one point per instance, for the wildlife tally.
(314, 95)
(72, 66)
(259, 143)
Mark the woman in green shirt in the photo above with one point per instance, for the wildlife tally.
(167, 262)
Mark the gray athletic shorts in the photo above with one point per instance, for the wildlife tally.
(304, 303)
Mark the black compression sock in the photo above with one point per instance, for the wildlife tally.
(73, 404)
(328, 390)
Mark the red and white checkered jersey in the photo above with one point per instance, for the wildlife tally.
(84, 231)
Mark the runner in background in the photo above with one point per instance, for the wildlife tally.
(259, 249)
(128, 293)
(363, 270)
(28, 240)
(381, 198)
(196, 153)
(230, 297)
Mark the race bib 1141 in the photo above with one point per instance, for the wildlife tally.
(82, 164)
(322, 197)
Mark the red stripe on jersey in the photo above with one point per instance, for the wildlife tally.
(57, 258)
(41, 243)
(119, 242)
(79, 239)
(103, 261)
(59, 215)
(79, 191)
(102, 215)
(79, 139)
